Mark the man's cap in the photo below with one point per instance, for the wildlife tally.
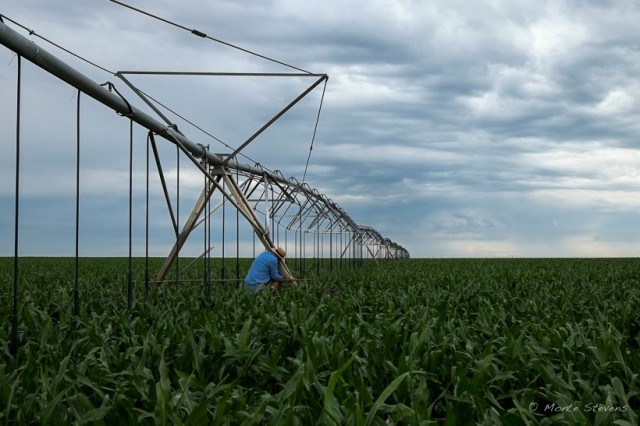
(280, 252)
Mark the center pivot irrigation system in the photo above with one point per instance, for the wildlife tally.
(280, 211)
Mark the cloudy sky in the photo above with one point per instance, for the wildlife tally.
(490, 128)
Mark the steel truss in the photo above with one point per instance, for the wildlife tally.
(270, 203)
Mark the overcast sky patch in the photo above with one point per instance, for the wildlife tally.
(455, 128)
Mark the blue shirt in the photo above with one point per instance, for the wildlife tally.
(264, 269)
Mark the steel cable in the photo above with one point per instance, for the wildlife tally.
(16, 229)
(32, 32)
(76, 291)
(146, 224)
(315, 129)
(130, 271)
(203, 35)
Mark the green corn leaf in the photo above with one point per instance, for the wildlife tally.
(95, 415)
(619, 391)
(383, 397)
(331, 405)
(243, 337)
(199, 415)
(47, 415)
(163, 394)
(62, 371)
(622, 422)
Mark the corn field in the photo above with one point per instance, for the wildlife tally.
(413, 341)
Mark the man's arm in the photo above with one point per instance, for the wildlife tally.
(274, 270)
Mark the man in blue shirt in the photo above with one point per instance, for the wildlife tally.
(264, 270)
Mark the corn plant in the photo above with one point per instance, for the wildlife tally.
(417, 341)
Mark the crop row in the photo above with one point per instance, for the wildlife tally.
(512, 341)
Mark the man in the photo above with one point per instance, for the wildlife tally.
(265, 270)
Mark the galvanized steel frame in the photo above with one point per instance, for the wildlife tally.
(289, 204)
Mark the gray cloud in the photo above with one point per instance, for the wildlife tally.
(454, 128)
